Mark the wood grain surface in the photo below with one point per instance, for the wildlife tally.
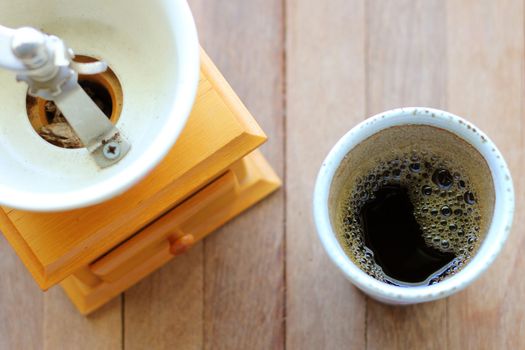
(309, 70)
(244, 261)
(21, 304)
(325, 86)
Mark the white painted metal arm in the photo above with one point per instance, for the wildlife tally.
(7, 59)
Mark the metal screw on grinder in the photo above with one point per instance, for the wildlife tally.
(111, 150)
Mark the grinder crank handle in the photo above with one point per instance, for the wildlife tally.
(8, 60)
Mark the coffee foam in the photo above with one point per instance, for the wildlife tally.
(448, 182)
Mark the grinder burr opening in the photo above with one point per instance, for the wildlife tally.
(47, 120)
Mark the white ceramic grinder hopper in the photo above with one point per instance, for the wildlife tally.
(153, 50)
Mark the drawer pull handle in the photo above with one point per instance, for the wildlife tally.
(182, 244)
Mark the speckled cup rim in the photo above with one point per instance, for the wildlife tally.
(492, 244)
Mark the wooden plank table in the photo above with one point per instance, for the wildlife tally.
(309, 70)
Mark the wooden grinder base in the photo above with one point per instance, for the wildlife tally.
(211, 175)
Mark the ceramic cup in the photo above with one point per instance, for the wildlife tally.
(491, 244)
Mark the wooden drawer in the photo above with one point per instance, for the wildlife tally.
(159, 237)
(245, 183)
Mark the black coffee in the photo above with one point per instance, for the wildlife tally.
(412, 219)
(393, 234)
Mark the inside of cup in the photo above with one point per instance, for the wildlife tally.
(405, 144)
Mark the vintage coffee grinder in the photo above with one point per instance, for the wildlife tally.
(122, 144)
